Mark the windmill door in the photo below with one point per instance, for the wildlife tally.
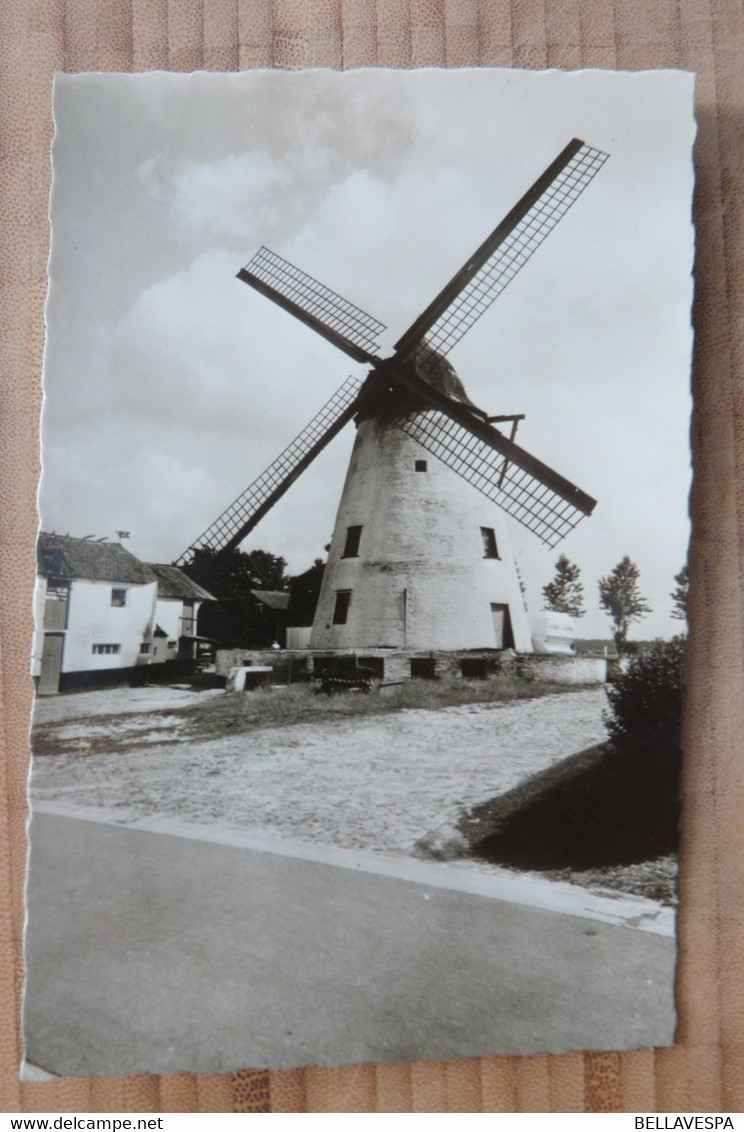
(51, 664)
(502, 626)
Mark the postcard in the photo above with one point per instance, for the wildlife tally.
(360, 616)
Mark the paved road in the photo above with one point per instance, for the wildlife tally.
(153, 952)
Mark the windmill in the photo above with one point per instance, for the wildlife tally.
(419, 558)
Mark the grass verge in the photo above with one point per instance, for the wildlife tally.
(301, 703)
(595, 819)
(656, 880)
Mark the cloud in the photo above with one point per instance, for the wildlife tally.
(171, 385)
(229, 198)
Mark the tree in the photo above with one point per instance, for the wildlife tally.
(236, 619)
(565, 594)
(620, 596)
(680, 595)
(234, 574)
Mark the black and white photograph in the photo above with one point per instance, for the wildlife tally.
(362, 583)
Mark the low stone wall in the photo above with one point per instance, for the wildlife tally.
(564, 669)
(289, 666)
(394, 665)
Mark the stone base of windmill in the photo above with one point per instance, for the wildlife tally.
(391, 667)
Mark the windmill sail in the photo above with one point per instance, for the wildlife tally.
(250, 507)
(451, 428)
(528, 490)
(331, 315)
(503, 254)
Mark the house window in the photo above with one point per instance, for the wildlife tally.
(145, 646)
(420, 465)
(488, 535)
(172, 644)
(55, 604)
(106, 650)
(351, 546)
(57, 589)
(187, 623)
(423, 668)
(119, 598)
(341, 608)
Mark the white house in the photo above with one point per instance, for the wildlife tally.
(176, 608)
(97, 609)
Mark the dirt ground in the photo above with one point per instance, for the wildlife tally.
(378, 782)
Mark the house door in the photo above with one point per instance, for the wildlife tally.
(502, 626)
(51, 664)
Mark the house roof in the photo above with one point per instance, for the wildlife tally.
(62, 556)
(172, 582)
(274, 599)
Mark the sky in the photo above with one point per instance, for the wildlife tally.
(170, 385)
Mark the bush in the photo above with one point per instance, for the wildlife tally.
(646, 703)
(644, 720)
(618, 804)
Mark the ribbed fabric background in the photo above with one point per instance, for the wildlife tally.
(705, 1070)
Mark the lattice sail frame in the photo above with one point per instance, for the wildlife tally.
(534, 504)
(516, 489)
(510, 255)
(339, 320)
(232, 525)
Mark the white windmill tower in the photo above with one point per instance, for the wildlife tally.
(420, 558)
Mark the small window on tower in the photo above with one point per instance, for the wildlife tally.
(420, 465)
(351, 546)
(490, 550)
(341, 608)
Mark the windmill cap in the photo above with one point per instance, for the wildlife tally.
(433, 368)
